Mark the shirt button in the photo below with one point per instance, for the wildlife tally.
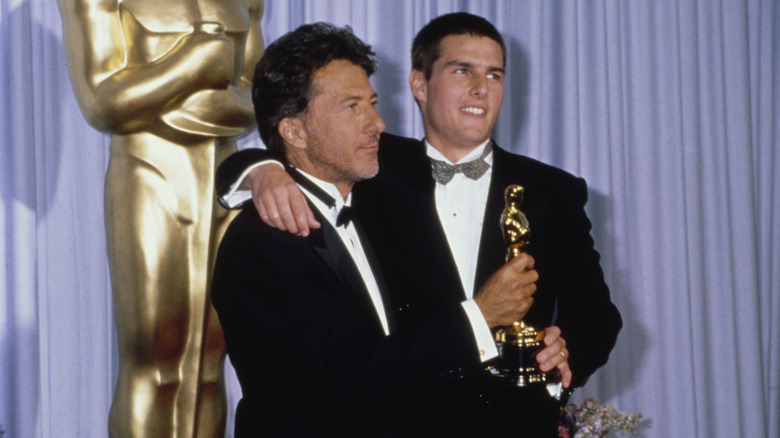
(481, 352)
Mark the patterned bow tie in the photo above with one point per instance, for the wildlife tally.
(443, 172)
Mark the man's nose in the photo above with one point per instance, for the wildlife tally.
(479, 86)
(375, 122)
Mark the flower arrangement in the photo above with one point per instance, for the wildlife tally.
(594, 420)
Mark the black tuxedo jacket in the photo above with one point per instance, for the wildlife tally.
(305, 340)
(398, 213)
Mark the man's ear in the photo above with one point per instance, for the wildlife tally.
(293, 132)
(418, 85)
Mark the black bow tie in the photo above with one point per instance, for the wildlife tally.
(345, 215)
(443, 172)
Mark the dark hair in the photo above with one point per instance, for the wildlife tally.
(283, 81)
(426, 48)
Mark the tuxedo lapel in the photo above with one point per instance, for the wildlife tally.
(373, 262)
(326, 243)
(328, 246)
(492, 248)
(511, 169)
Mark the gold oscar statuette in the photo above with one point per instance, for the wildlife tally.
(519, 343)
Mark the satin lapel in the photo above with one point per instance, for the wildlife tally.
(511, 169)
(368, 249)
(492, 248)
(327, 244)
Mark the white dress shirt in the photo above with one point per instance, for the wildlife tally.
(462, 225)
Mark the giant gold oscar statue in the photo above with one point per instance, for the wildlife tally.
(169, 79)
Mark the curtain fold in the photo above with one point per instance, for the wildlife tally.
(669, 109)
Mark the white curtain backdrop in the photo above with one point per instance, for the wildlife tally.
(669, 109)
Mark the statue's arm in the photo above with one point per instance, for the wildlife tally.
(119, 96)
(228, 112)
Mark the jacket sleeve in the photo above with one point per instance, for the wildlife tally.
(588, 319)
(229, 174)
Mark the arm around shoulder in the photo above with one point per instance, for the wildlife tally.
(229, 174)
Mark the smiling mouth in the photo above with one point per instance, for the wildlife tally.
(473, 110)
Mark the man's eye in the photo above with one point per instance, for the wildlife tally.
(495, 76)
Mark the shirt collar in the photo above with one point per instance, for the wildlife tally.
(329, 188)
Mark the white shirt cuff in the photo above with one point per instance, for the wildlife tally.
(482, 334)
(236, 196)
